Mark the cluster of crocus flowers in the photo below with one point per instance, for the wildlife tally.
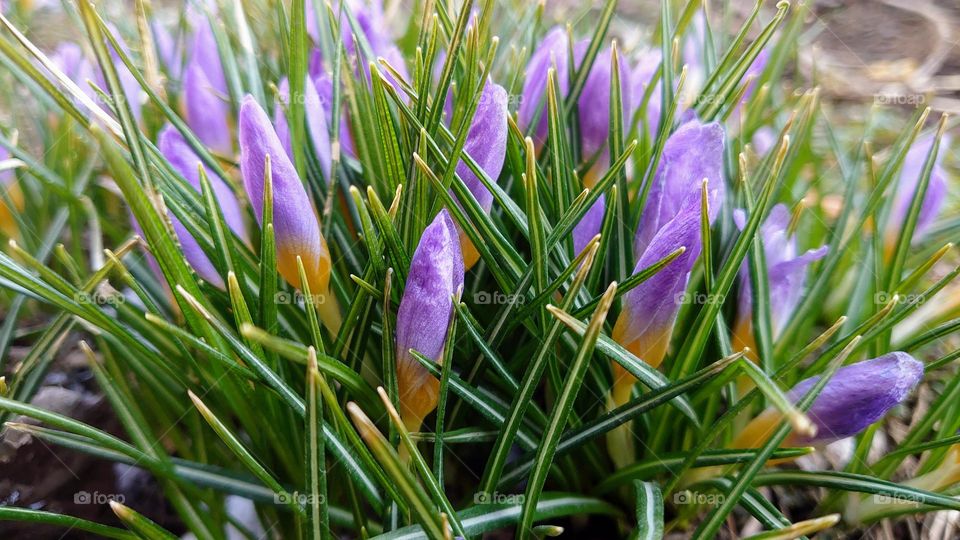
(423, 319)
(295, 222)
(486, 144)
(183, 160)
(786, 275)
(855, 397)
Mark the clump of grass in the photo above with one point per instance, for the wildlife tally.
(476, 275)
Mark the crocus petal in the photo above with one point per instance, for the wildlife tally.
(486, 142)
(692, 153)
(594, 102)
(70, 59)
(374, 27)
(324, 86)
(182, 158)
(205, 93)
(169, 50)
(858, 395)
(650, 310)
(176, 150)
(640, 78)
(909, 180)
(553, 51)
(589, 226)
(313, 109)
(295, 222)
(786, 270)
(436, 274)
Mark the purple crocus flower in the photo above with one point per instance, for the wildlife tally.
(552, 52)
(487, 144)
(374, 26)
(641, 76)
(907, 186)
(691, 154)
(178, 152)
(295, 222)
(169, 49)
(650, 310)
(71, 60)
(786, 271)
(589, 226)
(205, 93)
(316, 122)
(855, 397)
(436, 275)
(593, 106)
(182, 158)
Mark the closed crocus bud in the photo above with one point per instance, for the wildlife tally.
(182, 158)
(594, 109)
(786, 275)
(295, 222)
(910, 175)
(553, 51)
(12, 195)
(70, 59)
(316, 118)
(205, 94)
(589, 226)
(487, 144)
(436, 275)
(694, 152)
(855, 397)
(375, 28)
(649, 312)
(593, 105)
(640, 78)
(169, 50)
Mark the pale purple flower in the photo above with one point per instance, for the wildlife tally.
(593, 105)
(205, 93)
(169, 49)
(436, 275)
(650, 309)
(316, 117)
(590, 225)
(786, 268)
(694, 152)
(907, 186)
(641, 76)
(857, 395)
(296, 226)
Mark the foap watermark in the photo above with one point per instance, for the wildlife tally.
(484, 497)
(695, 497)
(96, 497)
(900, 499)
(883, 298)
(913, 100)
(485, 298)
(699, 298)
(296, 298)
(302, 499)
(99, 298)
